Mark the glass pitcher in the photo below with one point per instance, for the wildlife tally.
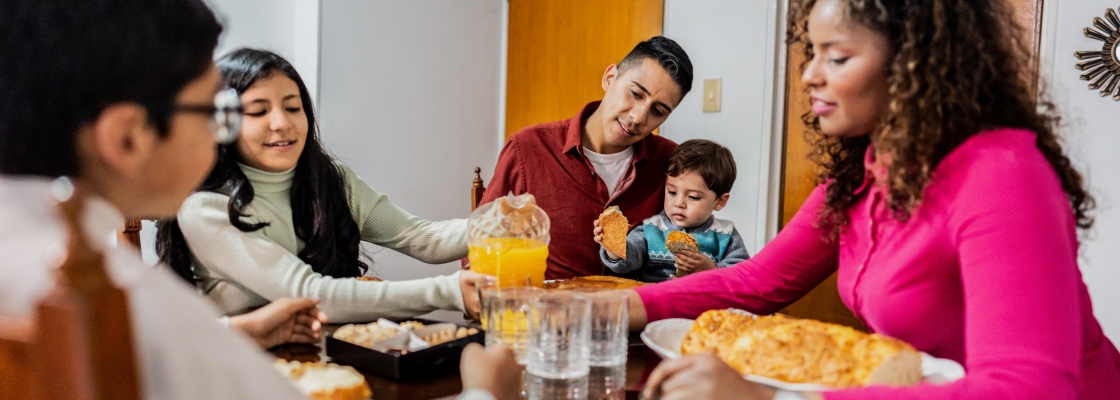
(509, 240)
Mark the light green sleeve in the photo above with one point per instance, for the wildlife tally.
(385, 224)
(250, 265)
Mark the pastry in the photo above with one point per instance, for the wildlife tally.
(325, 381)
(803, 350)
(614, 226)
(679, 240)
(369, 278)
(364, 335)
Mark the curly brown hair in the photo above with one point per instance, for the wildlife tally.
(951, 77)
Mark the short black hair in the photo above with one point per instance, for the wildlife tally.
(708, 159)
(667, 53)
(62, 62)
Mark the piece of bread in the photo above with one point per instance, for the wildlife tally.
(325, 381)
(614, 226)
(369, 278)
(679, 240)
(803, 350)
(593, 282)
(364, 335)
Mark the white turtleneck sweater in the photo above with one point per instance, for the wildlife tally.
(240, 271)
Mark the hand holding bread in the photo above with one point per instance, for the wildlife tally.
(610, 232)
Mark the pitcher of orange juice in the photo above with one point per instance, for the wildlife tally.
(509, 240)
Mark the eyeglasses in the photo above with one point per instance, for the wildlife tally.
(225, 115)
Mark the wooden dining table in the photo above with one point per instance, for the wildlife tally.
(601, 383)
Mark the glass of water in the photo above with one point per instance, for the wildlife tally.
(559, 333)
(507, 318)
(610, 326)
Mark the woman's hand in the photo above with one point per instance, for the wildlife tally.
(598, 232)
(468, 283)
(699, 377)
(491, 369)
(692, 262)
(282, 321)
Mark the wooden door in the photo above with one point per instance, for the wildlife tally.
(558, 51)
(799, 174)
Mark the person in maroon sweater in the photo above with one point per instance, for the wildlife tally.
(603, 156)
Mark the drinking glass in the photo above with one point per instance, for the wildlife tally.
(538, 388)
(507, 318)
(607, 383)
(610, 326)
(559, 333)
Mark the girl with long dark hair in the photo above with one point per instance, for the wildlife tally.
(946, 206)
(278, 217)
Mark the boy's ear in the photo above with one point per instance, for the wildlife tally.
(122, 139)
(721, 201)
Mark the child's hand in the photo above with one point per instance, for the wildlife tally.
(690, 262)
(599, 239)
(493, 369)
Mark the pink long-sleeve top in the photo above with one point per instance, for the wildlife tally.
(984, 272)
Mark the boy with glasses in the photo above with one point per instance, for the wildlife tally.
(122, 96)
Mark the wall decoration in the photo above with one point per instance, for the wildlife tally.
(1102, 66)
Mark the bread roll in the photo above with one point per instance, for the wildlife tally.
(803, 350)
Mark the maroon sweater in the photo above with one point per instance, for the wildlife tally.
(547, 161)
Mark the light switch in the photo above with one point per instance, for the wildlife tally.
(712, 95)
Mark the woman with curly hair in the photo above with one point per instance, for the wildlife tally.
(946, 205)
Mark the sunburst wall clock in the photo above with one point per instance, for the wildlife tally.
(1102, 66)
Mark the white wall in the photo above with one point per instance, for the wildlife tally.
(289, 28)
(409, 99)
(732, 40)
(1093, 140)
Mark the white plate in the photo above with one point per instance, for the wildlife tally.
(664, 338)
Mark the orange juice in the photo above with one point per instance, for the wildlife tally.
(512, 260)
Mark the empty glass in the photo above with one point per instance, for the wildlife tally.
(607, 383)
(538, 388)
(507, 317)
(559, 333)
(610, 319)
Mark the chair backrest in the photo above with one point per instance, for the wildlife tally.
(477, 188)
(81, 343)
(132, 231)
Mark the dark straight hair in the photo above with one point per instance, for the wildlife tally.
(320, 214)
(63, 62)
(668, 54)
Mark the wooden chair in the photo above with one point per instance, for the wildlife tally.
(80, 345)
(477, 189)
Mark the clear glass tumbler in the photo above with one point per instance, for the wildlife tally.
(507, 318)
(538, 388)
(607, 383)
(559, 335)
(610, 326)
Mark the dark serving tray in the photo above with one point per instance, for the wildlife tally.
(411, 365)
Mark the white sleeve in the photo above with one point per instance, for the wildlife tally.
(266, 268)
(475, 394)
